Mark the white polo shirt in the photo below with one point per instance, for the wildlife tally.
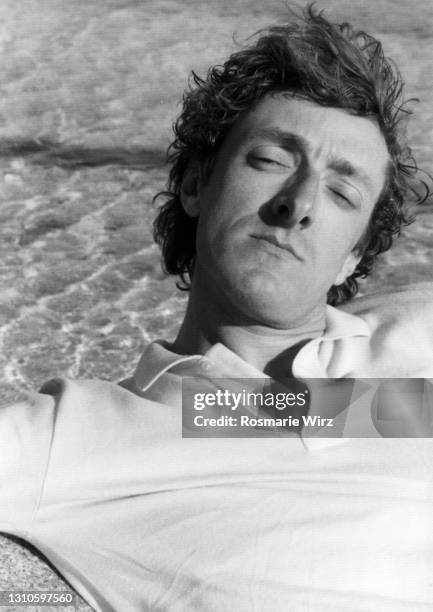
(136, 518)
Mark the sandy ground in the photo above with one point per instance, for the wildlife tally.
(88, 92)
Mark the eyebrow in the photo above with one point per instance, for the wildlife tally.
(288, 141)
(285, 139)
(345, 168)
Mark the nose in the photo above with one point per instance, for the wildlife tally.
(295, 203)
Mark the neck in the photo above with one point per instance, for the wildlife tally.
(208, 322)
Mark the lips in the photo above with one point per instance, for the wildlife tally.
(281, 245)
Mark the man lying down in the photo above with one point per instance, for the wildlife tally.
(289, 175)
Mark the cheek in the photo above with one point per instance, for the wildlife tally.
(340, 235)
(233, 191)
(226, 218)
(340, 247)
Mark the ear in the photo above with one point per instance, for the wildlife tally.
(190, 190)
(348, 267)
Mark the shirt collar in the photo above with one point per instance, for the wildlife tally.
(314, 358)
(158, 358)
(155, 361)
(340, 324)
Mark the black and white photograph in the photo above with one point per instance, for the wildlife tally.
(216, 306)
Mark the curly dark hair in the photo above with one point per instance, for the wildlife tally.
(329, 64)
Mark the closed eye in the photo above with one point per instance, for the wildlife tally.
(341, 197)
(270, 157)
(267, 164)
(268, 160)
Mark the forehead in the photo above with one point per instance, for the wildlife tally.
(325, 133)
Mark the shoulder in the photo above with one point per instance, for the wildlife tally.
(42, 435)
(410, 302)
(89, 410)
(81, 394)
(74, 427)
(401, 327)
(63, 410)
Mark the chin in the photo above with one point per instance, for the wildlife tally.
(266, 303)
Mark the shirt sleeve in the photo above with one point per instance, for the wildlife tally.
(26, 432)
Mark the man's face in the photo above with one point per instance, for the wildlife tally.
(289, 197)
